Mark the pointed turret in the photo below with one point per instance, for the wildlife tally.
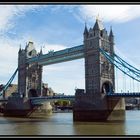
(86, 31)
(19, 48)
(111, 35)
(111, 39)
(98, 25)
(111, 32)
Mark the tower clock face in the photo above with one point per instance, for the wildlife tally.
(31, 53)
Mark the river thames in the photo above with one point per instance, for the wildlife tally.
(62, 124)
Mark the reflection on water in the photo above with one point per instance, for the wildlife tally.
(62, 124)
(100, 128)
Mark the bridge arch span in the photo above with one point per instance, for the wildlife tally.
(32, 93)
(107, 86)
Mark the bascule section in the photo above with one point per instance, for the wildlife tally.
(29, 74)
(93, 104)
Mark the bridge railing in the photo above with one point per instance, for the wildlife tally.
(38, 100)
(129, 94)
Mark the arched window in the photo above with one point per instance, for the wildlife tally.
(101, 33)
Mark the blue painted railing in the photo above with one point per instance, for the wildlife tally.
(132, 94)
(38, 100)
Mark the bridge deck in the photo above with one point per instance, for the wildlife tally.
(38, 100)
(132, 94)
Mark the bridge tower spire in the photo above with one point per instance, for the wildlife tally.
(111, 35)
(85, 31)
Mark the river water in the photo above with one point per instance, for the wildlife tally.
(62, 124)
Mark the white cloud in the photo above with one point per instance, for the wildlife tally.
(8, 59)
(9, 55)
(9, 12)
(56, 47)
(8, 47)
(38, 44)
(110, 13)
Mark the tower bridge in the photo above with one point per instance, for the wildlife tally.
(98, 101)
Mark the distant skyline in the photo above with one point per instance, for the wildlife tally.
(56, 27)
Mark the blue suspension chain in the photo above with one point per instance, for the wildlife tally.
(126, 68)
(131, 73)
(124, 62)
(8, 83)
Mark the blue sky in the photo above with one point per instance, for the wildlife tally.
(61, 26)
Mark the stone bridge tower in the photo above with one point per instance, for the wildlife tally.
(29, 75)
(99, 73)
(92, 104)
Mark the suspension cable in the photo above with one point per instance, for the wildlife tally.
(8, 83)
(137, 70)
(119, 65)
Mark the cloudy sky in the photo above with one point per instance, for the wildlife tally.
(61, 26)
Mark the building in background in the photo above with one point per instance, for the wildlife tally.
(47, 91)
(13, 89)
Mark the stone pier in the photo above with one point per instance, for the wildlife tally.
(106, 109)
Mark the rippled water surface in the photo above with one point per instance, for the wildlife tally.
(62, 124)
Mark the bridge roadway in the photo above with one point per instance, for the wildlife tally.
(52, 57)
(130, 94)
(38, 100)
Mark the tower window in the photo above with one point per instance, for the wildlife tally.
(90, 35)
(101, 34)
(90, 43)
(30, 53)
